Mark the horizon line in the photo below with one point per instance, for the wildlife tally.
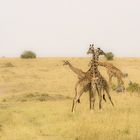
(67, 57)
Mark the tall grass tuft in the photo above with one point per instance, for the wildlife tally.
(8, 64)
(133, 87)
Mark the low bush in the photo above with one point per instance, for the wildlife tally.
(113, 87)
(133, 87)
(109, 56)
(28, 55)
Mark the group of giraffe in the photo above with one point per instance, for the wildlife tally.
(93, 81)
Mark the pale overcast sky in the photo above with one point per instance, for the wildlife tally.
(67, 27)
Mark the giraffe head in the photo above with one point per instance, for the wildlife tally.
(94, 51)
(100, 52)
(91, 49)
(65, 62)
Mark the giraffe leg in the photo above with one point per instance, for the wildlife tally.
(75, 100)
(92, 98)
(100, 96)
(118, 81)
(107, 91)
(80, 87)
(76, 86)
(110, 80)
(104, 96)
(121, 81)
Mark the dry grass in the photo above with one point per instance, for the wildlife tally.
(35, 103)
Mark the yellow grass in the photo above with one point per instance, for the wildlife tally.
(36, 97)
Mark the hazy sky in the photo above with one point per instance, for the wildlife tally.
(67, 27)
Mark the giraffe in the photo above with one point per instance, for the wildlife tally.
(113, 71)
(83, 84)
(98, 82)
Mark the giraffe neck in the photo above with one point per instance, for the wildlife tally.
(72, 67)
(77, 71)
(104, 64)
(94, 65)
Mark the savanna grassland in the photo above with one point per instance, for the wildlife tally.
(36, 98)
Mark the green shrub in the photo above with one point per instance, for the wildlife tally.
(28, 54)
(113, 87)
(109, 56)
(133, 87)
